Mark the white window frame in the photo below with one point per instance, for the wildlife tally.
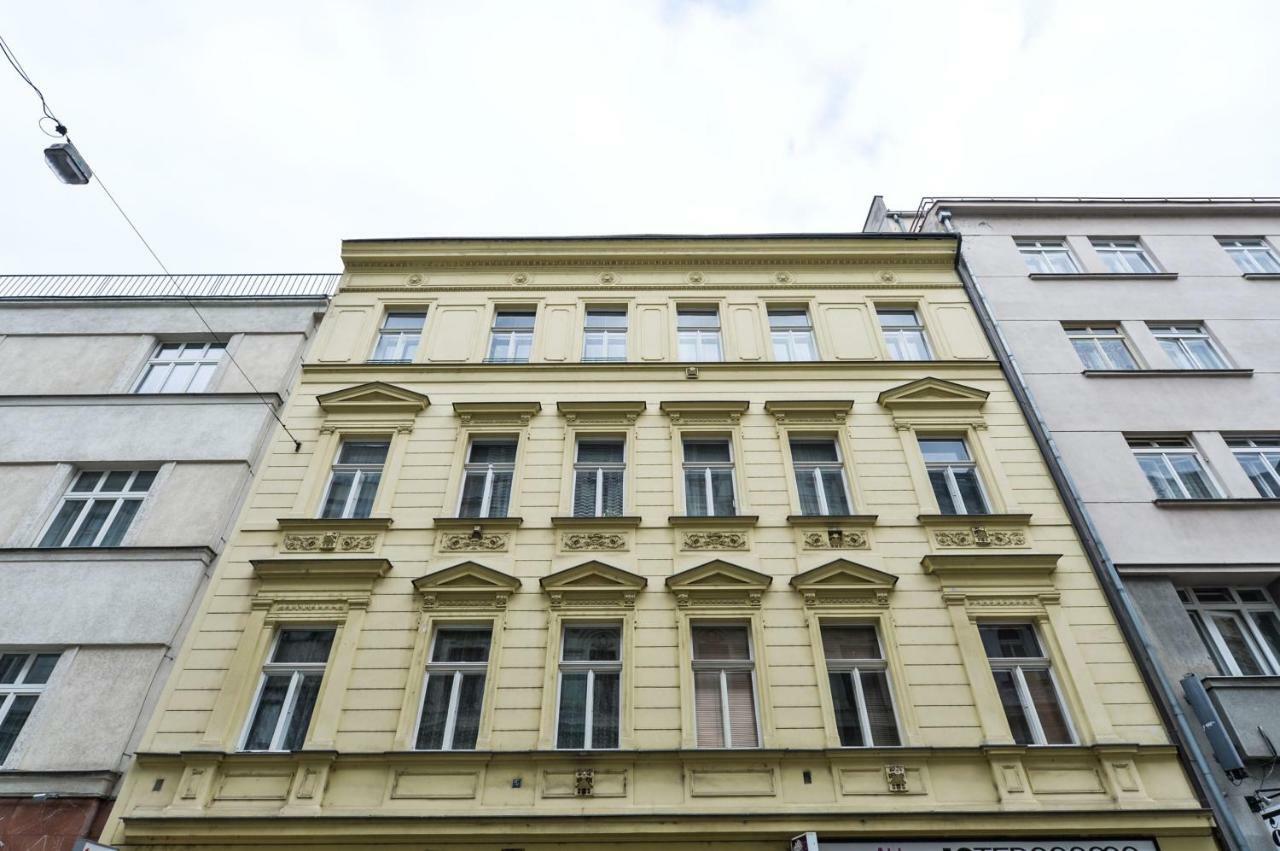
(197, 359)
(600, 468)
(700, 336)
(401, 337)
(707, 467)
(88, 497)
(724, 667)
(1265, 448)
(949, 468)
(489, 469)
(789, 334)
(815, 468)
(362, 472)
(296, 672)
(590, 667)
(1164, 448)
(607, 334)
(853, 668)
(510, 336)
(1179, 333)
(1240, 610)
(10, 692)
(1252, 255)
(1017, 664)
(1124, 250)
(1044, 249)
(455, 671)
(1092, 334)
(891, 333)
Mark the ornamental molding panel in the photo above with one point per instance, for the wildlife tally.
(929, 400)
(816, 412)
(704, 413)
(376, 399)
(329, 535)
(977, 531)
(496, 413)
(593, 584)
(844, 583)
(718, 583)
(475, 534)
(466, 585)
(833, 532)
(604, 412)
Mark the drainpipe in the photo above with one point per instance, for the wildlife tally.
(1131, 623)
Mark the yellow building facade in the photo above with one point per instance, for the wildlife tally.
(659, 543)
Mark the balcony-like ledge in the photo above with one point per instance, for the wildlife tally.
(630, 520)
(731, 521)
(1103, 276)
(1167, 373)
(1244, 502)
(1262, 276)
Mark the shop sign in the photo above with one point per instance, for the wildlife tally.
(994, 845)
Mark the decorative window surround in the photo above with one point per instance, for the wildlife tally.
(475, 534)
(833, 531)
(385, 404)
(844, 584)
(496, 413)
(332, 535)
(978, 531)
(595, 534)
(814, 412)
(934, 402)
(730, 609)
(466, 585)
(717, 584)
(314, 591)
(593, 584)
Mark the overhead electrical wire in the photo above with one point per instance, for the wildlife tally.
(62, 131)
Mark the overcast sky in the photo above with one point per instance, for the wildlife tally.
(254, 136)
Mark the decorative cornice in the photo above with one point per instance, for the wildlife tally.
(814, 411)
(319, 571)
(466, 585)
(602, 412)
(514, 413)
(716, 412)
(593, 583)
(374, 397)
(933, 397)
(719, 583)
(844, 583)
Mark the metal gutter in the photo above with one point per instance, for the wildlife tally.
(1130, 621)
(652, 237)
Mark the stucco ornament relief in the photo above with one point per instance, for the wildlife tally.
(887, 277)
(783, 277)
(331, 541)
(980, 536)
(520, 278)
(415, 280)
(896, 777)
(696, 277)
(835, 539)
(608, 278)
(713, 541)
(466, 542)
(593, 541)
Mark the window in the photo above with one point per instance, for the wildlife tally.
(698, 334)
(1025, 683)
(180, 368)
(820, 478)
(724, 687)
(605, 334)
(1101, 347)
(1047, 256)
(1260, 457)
(598, 477)
(399, 337)
(1188, 346)
(511, 338)
(953, 475)
(354, 480)
(859, 686)
(590, 687)
(486, 482)
(1254, 256)
(708, 477)
(453, 695)
(98, 508)
(1173, 468)
(792, 334)
(23, 677)
(288, 691)
(1123, 256)
(903, 334)
(1239, 626)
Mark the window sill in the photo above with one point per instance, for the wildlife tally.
(1103, 276)
(324, 523)
(621, 520)
(732, 520)
(1167, 373)
(130, 554)
(832, 519)
(470, 522)
(1262, 276)
(1234, 502)
(971, 519)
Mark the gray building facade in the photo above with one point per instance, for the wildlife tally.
(1146, 334)
(128, 439)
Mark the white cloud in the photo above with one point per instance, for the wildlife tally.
(245, 136)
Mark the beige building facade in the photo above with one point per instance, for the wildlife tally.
(658, 542)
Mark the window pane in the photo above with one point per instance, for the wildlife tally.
(500, 498)
(142, 481)
(1090, 354)
(813, 451)
(303, 646)
(493, 452)
(584, 493)
(875, 692)
(1238, 644)
(722, 493)
(1193, 477)
(1117, 354)
(93, 522)
(571, 731)
(833, 488)
(742, 710)
(807, 488)
(62, 523)
(466, 727)
(695, 493)
(698, 318)
(707, 709)
(461, 645)
(1267, 624)
(116, 481)
(604, 710)
(14, 721)
(611, 501)
(942, 491)
(180, 378)
(363, 506)
(943, 449)
(472, 494)
(304, 704)
(600, 451)
(706, 451)
(789, 318)
(153, 379)
(10, 666)
(1013, 711)
(1205, 355)
(845, 701)
(600, 318)
(850, 641)
(371, 453)
(41, 668)
(404, 321)
(1045, 700)
(967, 483)
(270, 703)
(1260, 473)
(591, 644)
(1009, 641)
(897, 318)
(435, 711)
(87, 481)
(339, 489)
(120, 523)
(1160, 476)
(721, 642)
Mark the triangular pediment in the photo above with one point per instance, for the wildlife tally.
(593, 575)
(467, 578)
(375, 397)
(844, 582)
(934, 394)
(719, 575)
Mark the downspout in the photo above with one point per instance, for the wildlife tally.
(1131, 623)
